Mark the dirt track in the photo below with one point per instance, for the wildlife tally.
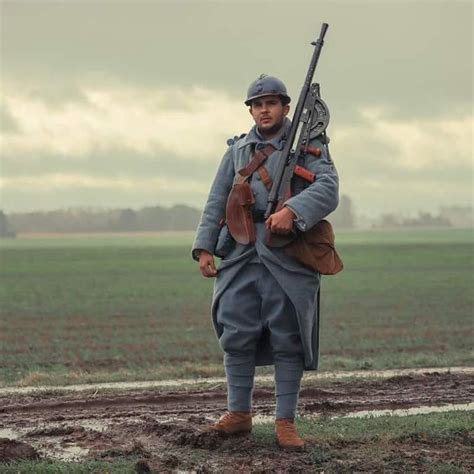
(160, 425)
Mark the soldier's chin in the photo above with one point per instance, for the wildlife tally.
(270, 128)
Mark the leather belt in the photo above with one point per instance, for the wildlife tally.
(258, 215)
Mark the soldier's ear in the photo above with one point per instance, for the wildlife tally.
(286, 109)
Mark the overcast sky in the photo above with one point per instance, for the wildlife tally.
(127, 104)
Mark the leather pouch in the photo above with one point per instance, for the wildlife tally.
(316, 249)
(239, 213)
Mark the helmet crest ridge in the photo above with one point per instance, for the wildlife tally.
(267, 85)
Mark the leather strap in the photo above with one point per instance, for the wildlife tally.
(258, 158)
(265, 177)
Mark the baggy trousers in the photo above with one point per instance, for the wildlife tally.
(253, 303)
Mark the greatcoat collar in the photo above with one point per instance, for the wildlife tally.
(278, 141)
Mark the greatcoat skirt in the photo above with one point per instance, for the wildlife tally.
(300, 285)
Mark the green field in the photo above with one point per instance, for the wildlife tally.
(104, 308)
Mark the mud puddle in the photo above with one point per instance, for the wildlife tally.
(161, 427)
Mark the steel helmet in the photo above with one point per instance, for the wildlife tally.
(267, 85)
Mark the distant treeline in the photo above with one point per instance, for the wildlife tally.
(451, 216)
(182, 217)
(424, 219)
(154, 218)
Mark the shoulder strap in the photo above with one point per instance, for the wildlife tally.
(258, 158)
(265, 177)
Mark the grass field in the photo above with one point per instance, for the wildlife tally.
(103, 308)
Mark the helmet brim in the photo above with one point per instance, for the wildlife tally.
(286, 99)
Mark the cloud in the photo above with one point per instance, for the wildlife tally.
(7, 122)
(61, 181)
(389, 164)
(426, 70)
(188, 123)
(377, 144)
(164, 144)
(112, 163)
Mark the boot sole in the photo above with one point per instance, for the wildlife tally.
(291, 448)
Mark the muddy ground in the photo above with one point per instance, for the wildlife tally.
(164, 430)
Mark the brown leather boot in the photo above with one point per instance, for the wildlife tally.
(287, 436)
(233, 422)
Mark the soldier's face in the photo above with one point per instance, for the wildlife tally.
(269, 113)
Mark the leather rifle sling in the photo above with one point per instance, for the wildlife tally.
(258, 158)
(265, 177)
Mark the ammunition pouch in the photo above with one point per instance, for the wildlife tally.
(239, 213)
(316, 249)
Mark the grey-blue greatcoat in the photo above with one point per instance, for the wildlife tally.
(310, 203)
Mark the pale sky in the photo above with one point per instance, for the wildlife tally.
(130, 103)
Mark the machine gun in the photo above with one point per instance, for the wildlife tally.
(310, 120)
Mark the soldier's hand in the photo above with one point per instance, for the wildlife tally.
(207, 264)
(281, 222)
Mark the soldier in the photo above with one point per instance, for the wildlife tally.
(264, 304)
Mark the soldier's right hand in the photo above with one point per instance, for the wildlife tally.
(207, 264)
